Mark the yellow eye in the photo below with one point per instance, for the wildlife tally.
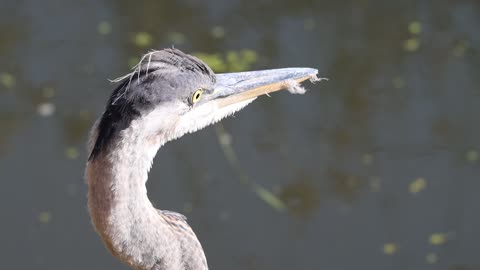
(197, 95)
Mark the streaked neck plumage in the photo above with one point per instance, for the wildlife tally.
(118, 203)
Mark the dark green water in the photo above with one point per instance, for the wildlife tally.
(378, 168)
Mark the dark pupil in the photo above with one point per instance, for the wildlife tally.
(197, 95)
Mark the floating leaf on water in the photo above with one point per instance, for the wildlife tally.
(437, 239)
(415, 28)
(71, 152)
(472, 156)
(417, 185)
(390, 248)
(431, 258)
(177, 38)
(104, 28)
(45, 217)
(218, 32)
(7, 80)
(142, 39)
(269, 198)
(411, 44)
(46, 109)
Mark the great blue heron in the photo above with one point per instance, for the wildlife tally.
(169, 93)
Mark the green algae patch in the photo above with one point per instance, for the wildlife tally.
(390, 248)
(45, 217)
(104, 28)
(142, 39)
(411, 44)
(231, 61)
(214, 61)
(71, 152)
(437, 239)
(417, 185)
(7, 80)
(133, 61)
(472, 156)
(415, 28)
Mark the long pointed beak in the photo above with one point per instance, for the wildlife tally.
(232, 88)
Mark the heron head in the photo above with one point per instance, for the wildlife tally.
(171, 93)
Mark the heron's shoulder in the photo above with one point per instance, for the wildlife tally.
(172, 215)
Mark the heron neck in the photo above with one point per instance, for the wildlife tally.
(116, 181)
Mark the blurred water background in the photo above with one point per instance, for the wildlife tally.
(378, 168)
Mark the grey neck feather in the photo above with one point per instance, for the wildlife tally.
(118, 203)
